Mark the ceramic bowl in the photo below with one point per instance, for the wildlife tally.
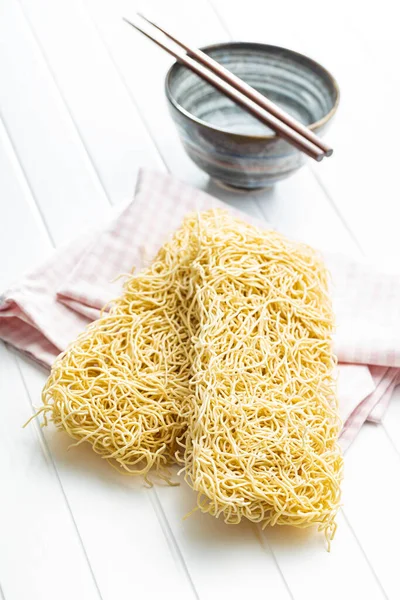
(227, 142)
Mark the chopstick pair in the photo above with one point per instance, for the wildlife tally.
(240, 92)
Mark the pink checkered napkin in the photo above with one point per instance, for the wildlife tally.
(45, 311)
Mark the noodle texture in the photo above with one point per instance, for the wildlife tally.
(263, 425)
(120, 386)
(217, 356)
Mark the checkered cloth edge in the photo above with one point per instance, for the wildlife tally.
(45, 311)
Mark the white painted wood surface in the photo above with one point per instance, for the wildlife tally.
(80, 111)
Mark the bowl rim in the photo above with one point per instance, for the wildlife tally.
(243, 136)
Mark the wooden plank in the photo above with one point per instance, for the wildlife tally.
(17, 223)
(308, 568)
(104, 114)
(40, 545)
(299, 208)
(391, 421)
(60, 174)
(371, 487)
(142, 68)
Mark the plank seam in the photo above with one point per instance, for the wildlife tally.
(262, 538)
(382, 424)
(65, 104)
(26, 180)
(219, 18)
(336, 210)
(365, 556)
(49, 457)
(258, 205)
(170, 537)
(125, 85)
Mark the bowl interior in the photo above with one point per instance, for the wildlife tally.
(296, 83)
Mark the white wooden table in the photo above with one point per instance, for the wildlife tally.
(82, 108)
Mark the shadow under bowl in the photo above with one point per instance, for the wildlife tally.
(228, 143)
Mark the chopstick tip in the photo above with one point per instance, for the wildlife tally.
(142, 16)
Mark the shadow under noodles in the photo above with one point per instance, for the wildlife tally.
(205, 531)
(84, 461)
(199, 530)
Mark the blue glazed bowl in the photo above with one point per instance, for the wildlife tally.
(230, 144)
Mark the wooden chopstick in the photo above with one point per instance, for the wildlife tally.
(246, 89)
(280, 127)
